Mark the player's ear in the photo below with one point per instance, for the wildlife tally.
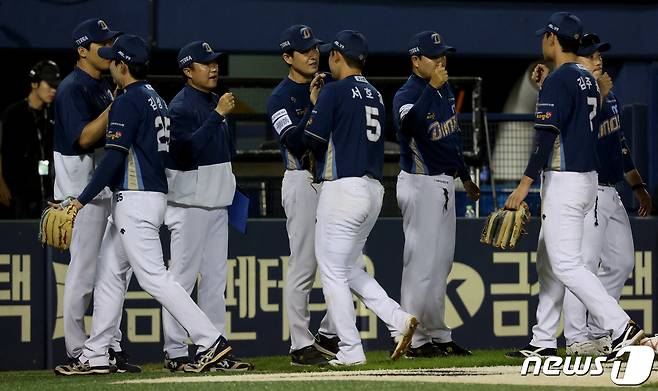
(187, 72)
(288, 57)
(82, 51)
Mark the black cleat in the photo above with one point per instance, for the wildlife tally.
(120, 361)
(327, 345)
(205, 360)
(231, 364)
(452, 349)
(632, 335)
(307, 356)
(75, 368)
(175, 364)
(532, 351)
(425, 351)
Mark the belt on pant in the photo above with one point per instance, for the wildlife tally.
(609, 184)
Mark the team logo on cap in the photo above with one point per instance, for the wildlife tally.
(553, 27)
(207, 47)
(306, 32)
(102, 25)
(436, 38)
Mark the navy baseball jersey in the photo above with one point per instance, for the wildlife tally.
(80, 99)
(139, 126)
(199, 168)
(288, 109)
(349, 117)
(568, 104)
(614, 155)
(427, 128)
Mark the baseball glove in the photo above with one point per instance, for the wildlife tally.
(56, 226)
(504, 228)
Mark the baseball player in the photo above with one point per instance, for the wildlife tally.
(608, 249)
(82, 105)
(345, 134)
(137, 137)
(567, 123)
(201, 186)
(430, 158)
(289, 108)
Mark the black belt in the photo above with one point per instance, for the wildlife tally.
(610, 184)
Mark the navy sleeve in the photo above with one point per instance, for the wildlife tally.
(627, 159)
(319, 125)
(73, 112)
(410, 115)
(552, 96)
(544, 141)
(106, 170)
(291, 135)
(187, 137)
(123, 124)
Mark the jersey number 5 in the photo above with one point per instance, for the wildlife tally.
(162, 126)
(373, 127)
(591, 101)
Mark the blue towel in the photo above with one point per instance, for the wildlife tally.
(238, 211)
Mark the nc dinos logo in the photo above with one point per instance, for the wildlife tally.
(464, 294)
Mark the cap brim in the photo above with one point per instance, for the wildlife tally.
(541, 32)
(309, 45)
(107, 53)
(53, 82)
(598, 47)
(326, 48)
(438, 51)
(109, 35)
(210, 58)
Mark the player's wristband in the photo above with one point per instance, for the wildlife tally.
(640, 185)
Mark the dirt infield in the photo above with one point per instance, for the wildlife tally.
(477, 375)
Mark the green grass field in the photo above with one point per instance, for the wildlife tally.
(46, 380)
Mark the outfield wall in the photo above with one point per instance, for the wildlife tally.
(492, 296)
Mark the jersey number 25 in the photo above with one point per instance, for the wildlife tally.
(373, 127)
(162, 126)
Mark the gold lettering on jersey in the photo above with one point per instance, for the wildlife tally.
(609, 126)
(441, 130)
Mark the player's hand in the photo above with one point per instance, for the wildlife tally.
(645, 201)
(61, 205)
(226, 104)
(472, 190)
(316, 85)
(605, 84)
(439, 76)
(519, 194)
(5, 194)
(539, 74)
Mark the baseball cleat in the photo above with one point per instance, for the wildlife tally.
(175, 364)
(205, 360)
(338, 363)
(309, 355)
(405, 340)
(327, 345)
(592, 347)
(532, 351)
(632, 335)
(427, 350)
(231, 364)
(80, 368)
(452, 349)
(120, 361)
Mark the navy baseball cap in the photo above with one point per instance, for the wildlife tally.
(428, 44)
(591, 43)
(350, 43)
(563, 24)
(298, 37)
(197, 51)
(92, 30)
(130, 49)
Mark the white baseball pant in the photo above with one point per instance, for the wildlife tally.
(347, 211)
(132, 240)
(85, 247)
(199, 247)
(566, 198)
(429, 222)
(299, 197)
(608, 252)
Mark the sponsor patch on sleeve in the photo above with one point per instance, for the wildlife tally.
(281, 120)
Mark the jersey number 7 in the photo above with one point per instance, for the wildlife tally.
(591, 101)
